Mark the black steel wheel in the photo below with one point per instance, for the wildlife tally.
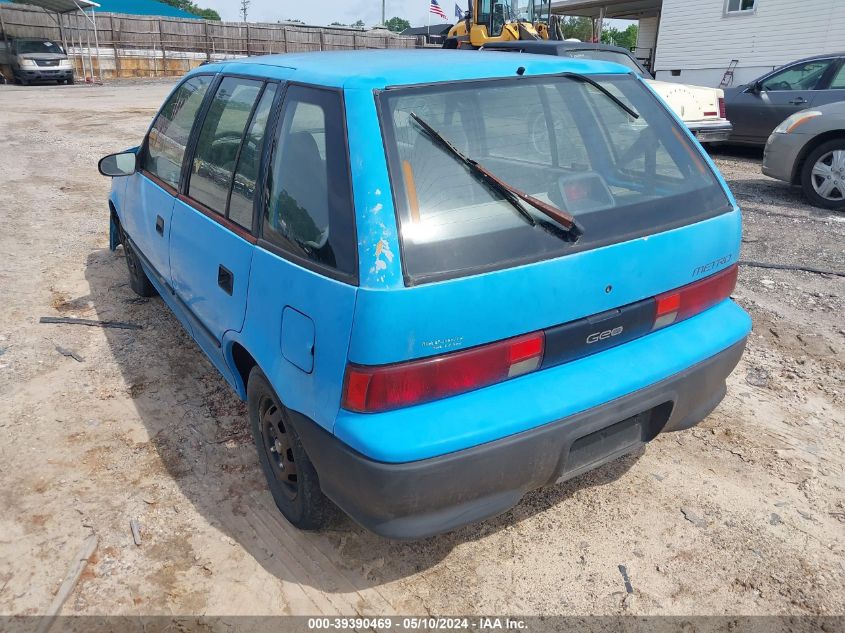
(278, 446)
(290, 475)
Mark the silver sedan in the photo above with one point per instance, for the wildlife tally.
(808, 149)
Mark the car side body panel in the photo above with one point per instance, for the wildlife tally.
(277, 284)
(203, 255)
(755, 115)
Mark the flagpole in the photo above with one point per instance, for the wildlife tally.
(428, 30)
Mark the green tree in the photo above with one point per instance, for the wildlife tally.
(359, 24)
(578, 28)
(397, 25)
(208, 14)
(190, 7)
(626, 38)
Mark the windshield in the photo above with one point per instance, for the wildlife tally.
(24, 47)
(531, 10)
(606, 56)
(559, 140)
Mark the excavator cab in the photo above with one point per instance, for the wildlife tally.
(503, 21)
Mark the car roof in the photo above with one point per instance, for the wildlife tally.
(378, 69)
(550, 47)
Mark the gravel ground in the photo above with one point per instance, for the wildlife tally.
(742, 515)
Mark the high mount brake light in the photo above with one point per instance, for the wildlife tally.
(368, 389)
(682, 303)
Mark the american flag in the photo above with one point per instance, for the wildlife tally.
(459, 14)
(436, 10)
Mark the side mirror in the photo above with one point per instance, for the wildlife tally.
(122, 164)
(756, 88)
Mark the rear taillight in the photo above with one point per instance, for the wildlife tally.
(722, 108)
(684, 302)
(368, 389)
(375, 388)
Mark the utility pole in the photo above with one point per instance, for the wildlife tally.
(382, 12)
(245, 7)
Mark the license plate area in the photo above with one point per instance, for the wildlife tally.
(615, 440)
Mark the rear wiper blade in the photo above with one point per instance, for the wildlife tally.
(508, 192)
(603, 90)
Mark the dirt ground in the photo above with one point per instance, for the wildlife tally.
(744, 514)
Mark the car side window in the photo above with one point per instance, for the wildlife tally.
(219, 141)
(803, 76)
(838, 82)
(168, 137)
(246, 174)
(309, 212)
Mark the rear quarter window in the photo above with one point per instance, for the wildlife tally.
(309, 215)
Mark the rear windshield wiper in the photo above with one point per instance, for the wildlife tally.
(603, 90)
(508, 192)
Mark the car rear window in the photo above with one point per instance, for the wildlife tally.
(556, 138)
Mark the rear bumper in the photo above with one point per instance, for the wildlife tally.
(426, 497)
(711, 131)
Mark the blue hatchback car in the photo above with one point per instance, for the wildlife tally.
(440, 280)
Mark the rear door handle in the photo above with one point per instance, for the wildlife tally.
(225, 279)
(798, 101)
(159, 225)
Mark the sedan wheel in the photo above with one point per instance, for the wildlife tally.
(278, 446)
(291, 476)
(823, 175)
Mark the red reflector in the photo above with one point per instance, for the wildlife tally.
(689, 300)
(528, 347)
(369, 389)
(722, 114)
(714, 113)
(668, 303)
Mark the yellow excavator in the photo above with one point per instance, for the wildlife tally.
(504, 21)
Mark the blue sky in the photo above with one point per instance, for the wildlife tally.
(327, 11)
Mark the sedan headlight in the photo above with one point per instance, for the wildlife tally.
(27, 63)
(793, 121)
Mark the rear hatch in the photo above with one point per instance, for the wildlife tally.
(494, 285)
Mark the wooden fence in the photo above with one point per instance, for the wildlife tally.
(132, 46)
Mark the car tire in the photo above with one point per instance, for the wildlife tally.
(69, 81)
(138, 280)
(822, 155)
(290, 475)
